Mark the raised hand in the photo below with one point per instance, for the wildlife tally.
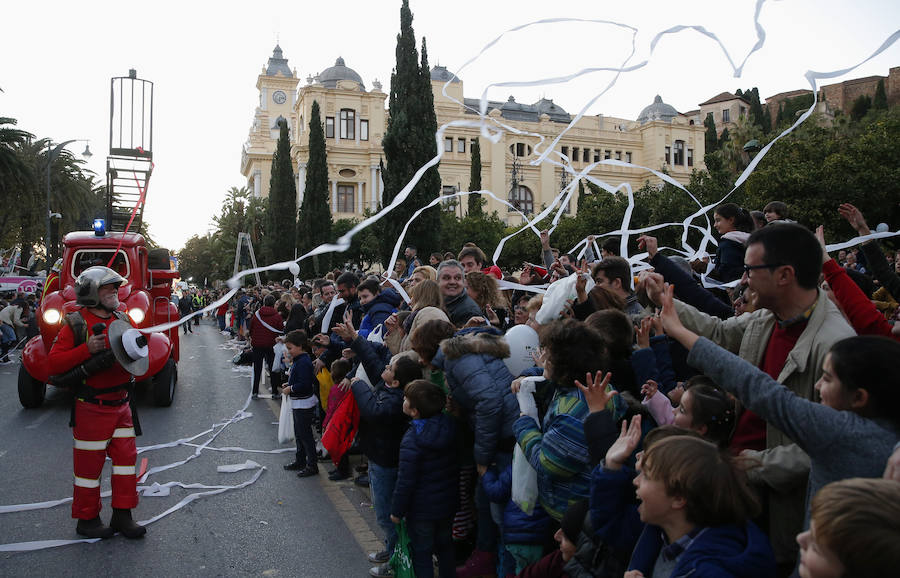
(643, 332)
(649, 389)
(649, 244)
(820, 236)
(655, 285)
(596, 393)
(854, 217)
(671, 323)
(624, 446)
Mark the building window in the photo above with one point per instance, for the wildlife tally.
(449, 203)
(363, 130)
(607, 154)
(348, 124)
(690, 157)
(679, 153)
(575, 156)
(627, 157)
(565, 151)
(726, 115)
(345, 199)
(522, 199)
(329, 127)
(520, 149)
(743, 111)
(618, 155)
(668, 155)
(597, 156)
(448, 144)
(460, 145)
(587, 155)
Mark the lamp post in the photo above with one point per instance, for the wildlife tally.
(52, 156)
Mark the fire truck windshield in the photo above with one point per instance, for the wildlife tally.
(84, 259)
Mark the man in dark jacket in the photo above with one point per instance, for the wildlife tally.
(185, 308)
(376, 305)
(452, 282)
(265, 325)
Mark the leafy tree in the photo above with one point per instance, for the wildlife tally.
(880, 100)
(409, 144)
(482, 229)
(314, 226)
(711, 137)
(364, 248)
(281, 224)
(196, 259)
(860, 107)
(475, 201)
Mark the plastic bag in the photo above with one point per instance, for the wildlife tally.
(278, 364)
(401, 561)
(285, 421)
(556, 296)
(524, 482)
(376, 335)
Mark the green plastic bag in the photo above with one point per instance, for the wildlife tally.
(401, 561)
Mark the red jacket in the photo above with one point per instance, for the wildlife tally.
(860, 311)
(260, 335)
(342, 428)
(64, 356)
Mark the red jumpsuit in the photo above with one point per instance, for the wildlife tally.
(99, 429)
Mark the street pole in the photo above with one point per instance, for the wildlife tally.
(52, 156)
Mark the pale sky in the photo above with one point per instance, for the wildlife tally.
(204, 58)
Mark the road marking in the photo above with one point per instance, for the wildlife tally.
(36, 423)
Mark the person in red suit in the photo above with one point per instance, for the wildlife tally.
(102, 417)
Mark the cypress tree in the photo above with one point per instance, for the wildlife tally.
(409, 143)
(756, 111)
(880, 100)
(281, 226)
(475, 200)
(314, 221)
(712, 139)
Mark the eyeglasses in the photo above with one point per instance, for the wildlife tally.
(748, 268)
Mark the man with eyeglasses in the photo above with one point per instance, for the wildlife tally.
(788, 337)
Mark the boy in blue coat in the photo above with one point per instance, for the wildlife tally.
(426, 490)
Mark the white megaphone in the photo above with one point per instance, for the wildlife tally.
(129, 346)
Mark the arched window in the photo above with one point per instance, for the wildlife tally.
(522, 199)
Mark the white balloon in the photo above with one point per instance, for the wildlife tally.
(294, 268)
(882, 228)
(523, 341)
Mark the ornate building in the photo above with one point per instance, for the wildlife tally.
(355, 121)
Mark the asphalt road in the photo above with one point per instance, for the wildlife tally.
(278, 526)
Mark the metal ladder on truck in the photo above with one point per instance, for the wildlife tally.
(130, 160)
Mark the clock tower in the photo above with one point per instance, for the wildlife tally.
(277, 86)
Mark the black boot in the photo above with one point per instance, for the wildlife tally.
(94, 528)
(121, 522)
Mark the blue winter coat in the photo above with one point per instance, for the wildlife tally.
(479, 382)
(427, 476)
(378, 310)
(382, 421)
(717, 552)
(518, 527)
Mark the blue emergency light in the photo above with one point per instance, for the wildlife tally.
(99, 227)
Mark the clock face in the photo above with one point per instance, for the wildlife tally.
(279, 97)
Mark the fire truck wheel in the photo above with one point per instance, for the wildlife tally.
(31, 391)
(164, 384)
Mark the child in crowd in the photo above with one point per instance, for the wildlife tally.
(426, 490)
(854, 530)
(300, 387)
(697, 505)
(703, 408)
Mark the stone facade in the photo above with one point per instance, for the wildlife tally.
(355, 121)
(840, 96)
(726, 109)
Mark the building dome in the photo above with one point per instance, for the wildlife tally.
(554, 111)
(657, 111)
(330, 76)
(440, 73)
(278, 64)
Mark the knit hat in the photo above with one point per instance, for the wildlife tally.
(573, 520)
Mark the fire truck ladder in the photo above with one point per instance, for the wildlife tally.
(130, 160)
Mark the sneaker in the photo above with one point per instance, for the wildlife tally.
(362, 481)
(254, 396)
(308, 472)
(379, 557)
(294, 466)
(382, 570)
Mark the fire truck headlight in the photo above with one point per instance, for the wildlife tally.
(52, 316)
(136, 315)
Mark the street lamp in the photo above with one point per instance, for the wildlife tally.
(52, 156)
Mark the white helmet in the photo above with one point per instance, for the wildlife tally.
(87, 286)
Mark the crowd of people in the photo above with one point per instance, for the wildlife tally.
(730, 416)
